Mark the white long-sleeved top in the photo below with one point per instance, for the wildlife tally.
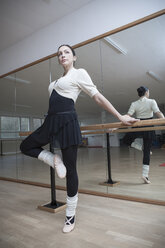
(73, 83)
(143, 108)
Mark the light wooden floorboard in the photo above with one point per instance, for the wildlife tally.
(101, 222)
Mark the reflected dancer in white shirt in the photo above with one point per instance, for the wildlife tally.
(143, 109)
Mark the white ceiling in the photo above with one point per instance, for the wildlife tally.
(21, 18)
(116, 75)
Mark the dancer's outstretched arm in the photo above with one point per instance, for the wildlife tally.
(105, 104)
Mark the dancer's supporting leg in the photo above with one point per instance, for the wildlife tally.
(70, 158)
(70, 213)
(147, 141)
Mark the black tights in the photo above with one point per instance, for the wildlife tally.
(147, 143)
(32, 146)
(69, 156)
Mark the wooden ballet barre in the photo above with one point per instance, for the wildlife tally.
(120, 127)
(25, 133)
(122, 130)
(150, 122)
(125, 130)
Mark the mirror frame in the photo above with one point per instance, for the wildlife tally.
(113, 31)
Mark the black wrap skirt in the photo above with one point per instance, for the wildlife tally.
(62, 122)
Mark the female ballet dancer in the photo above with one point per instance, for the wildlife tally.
(61, 127)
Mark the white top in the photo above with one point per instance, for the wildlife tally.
(73, 83)
(143, 108)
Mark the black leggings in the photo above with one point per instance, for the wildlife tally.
(32, 146)
(147, 143)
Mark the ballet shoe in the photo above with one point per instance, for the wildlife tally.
(59, 166)
(69, 224)
(146, 180)
(136, 146)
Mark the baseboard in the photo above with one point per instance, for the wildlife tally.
(89, 192)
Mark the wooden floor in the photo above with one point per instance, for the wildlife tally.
(101, 222)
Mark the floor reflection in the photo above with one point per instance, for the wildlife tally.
(126, 167)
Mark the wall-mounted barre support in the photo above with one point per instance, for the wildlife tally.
(109, 181)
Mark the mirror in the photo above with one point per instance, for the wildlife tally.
(118, 65)
(9, 127)
(31, 105)
(129, 59)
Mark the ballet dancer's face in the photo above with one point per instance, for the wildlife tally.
(66, 57)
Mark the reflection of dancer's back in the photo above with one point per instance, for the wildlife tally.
(138, 144)
(143, 109)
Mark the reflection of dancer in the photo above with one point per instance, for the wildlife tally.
(61, 127)
(143, 109)
(138, 144)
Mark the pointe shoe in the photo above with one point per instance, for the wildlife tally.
(68, 226)
(146, 180)
(59, 166)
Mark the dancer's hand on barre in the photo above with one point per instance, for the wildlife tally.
(128, 120)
